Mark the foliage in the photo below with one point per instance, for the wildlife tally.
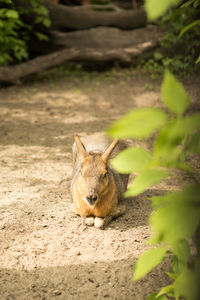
(176, 216)
(15, 33)
(157, 8)
(181, 43)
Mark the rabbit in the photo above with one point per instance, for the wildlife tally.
(96, 188)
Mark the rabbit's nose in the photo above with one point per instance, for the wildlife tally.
(91, 199)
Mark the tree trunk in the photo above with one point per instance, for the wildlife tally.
(83, 17)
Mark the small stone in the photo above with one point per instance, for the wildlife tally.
(57, 292)
(91, 280)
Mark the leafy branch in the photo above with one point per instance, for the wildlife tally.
(176, 216)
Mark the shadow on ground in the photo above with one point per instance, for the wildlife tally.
(109, 280)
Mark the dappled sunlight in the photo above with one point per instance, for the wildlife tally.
(43, 240)
(147, 99)
(51, 244)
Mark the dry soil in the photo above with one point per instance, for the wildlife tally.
(45, 253)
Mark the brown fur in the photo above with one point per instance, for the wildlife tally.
(105, 205)
(94, 191)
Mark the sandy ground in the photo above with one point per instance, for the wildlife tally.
(45, 253)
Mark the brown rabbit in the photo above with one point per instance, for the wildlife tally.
(96, 188)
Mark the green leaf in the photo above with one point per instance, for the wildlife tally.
(10, 13)
(158, 56)
(186, 285)
(196, 3)
(41, 36)
(131, 159)
(174, 95)
(148, 261)
(182, 250)
(159, 200)
(175, 266)
(187, 3)
(156, 8)
(153, 296)
(2, 24)
(171, 275)
(198, 60)
(46, 22)
(7, 1)
(185, 126)
(144, 180)
(194, 144)
(178, 218)
(139, 123)
(186, 28)
(165, 290)
(171, 136)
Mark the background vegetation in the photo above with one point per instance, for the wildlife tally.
(180, 46)
(15, 32)
(179, 49)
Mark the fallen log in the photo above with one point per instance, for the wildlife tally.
(83, 17)
(97, 38)
(12, 74)
(104, 37)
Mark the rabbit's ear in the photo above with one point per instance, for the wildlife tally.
(107, 153)
(80, 147)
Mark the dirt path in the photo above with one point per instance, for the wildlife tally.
(45, 254)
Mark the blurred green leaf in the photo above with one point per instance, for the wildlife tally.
(155, 8)
(185, 126)
(178, 218)
(194, 144)
(153, 296)
(174, 95)
(131, 159)
(46, 22)
(171, 275)
(186, 285)
(148, 261)
(175, 266)
(160, 200)
(139, 123)
(187, 3)
(41, 36)
(158, 56)
(182, 250)
(10, 13)
(167, 144)
(186, 28)
(165, 290)
(198, 60)
(144, 180)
